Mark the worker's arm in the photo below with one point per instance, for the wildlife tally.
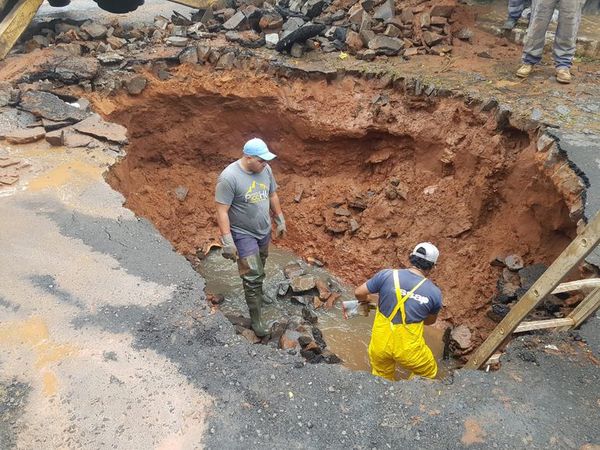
(430, 319)
(361, 293)
(223, 218)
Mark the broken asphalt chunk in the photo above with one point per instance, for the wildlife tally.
(49, 106)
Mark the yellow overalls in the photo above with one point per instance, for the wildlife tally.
(401, 343)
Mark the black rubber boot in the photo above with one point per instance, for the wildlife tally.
(252, 274)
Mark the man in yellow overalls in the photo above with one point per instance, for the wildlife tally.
(407, 302)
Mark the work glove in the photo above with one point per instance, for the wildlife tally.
(229, 248)
(281, 229)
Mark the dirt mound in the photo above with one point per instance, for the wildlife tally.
(364, 174)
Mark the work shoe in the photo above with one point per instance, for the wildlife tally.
(524, 70)
(252, 274)
(563, 75)
(509, 24)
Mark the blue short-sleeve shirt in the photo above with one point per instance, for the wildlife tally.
(426, 300)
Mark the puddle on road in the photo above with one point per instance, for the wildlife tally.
(348, 339)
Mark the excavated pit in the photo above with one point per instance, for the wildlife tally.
(402, 169)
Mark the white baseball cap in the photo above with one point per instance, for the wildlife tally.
(426, 251)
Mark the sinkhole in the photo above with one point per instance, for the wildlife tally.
(364, 173)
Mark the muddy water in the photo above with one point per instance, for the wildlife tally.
(348, 339)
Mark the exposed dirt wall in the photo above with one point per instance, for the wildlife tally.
(474, 191)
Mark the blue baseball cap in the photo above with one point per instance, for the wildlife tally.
(257, 147)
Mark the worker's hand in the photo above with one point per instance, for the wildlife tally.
(281, 229)
(229, 248)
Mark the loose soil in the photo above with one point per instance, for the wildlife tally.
(474, 191)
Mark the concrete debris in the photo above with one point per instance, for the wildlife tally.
(293, 270)
(460, 340)
(514, 262)
(303, 283)
(136, 84)
(181, 193)
(49, 106)
(25, 135)
(97, 127)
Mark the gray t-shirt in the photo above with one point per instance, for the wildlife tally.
(248, 195)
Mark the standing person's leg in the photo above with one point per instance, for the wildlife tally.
(536, 35)
(515, 8)
(566, 37)
(263, 251)
(252, 274)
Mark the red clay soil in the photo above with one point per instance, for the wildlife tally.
(475, 192)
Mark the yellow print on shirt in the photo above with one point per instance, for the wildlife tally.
(256, 194)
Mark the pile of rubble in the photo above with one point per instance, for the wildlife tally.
(32, 115)
(515, 280)
(296, 333)
(367, 29)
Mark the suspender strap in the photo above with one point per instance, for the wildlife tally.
(401, 300)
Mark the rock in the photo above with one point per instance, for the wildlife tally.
(441, 50)
(407, 16)
(485, 54)
(289, 340)
(181, 193)
(239, 320)
(55, 138)
(97, 127)
(44, 104)
(95, 30)
(392, 31)
(302, 283)
(317, 303)
(283, 288)
(514, 262)
(529, 275)
(353, 41)
(305, 341)
(189, 55)
(424, 20)
(385, 11)
(430, 38)
(412, 51)
(442, 10)
(25, 135)
(70, 69)
(313, 8)
(355, 14)
(309, 315)
(271, 40)
(464, 34)
(292, 270)
(366, 55)
(203, 52)
(6, 93)
(110, 58)
(439, 21)
(12, 119)
(509, 276)
(341, 211)
(177, 41)
(73, 139)
(270, 21)
(354, 226)
(300, 35)
(237, 22)
(250, 336)
(333, 298)
(136, 84)
(314, 262)
(386, 45)
(226, 61)
(299, 300)
(461, 337)
(498, 312)
(292, 24)
(297, 50)
(115, 42)
(331, 358)
(321, 286)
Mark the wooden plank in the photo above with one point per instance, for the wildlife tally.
(575, 252)
(588, 283)
(199, 4)
(15, 23)
(585, 309)
(542, 324)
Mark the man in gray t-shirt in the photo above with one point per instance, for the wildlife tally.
(246, 192)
